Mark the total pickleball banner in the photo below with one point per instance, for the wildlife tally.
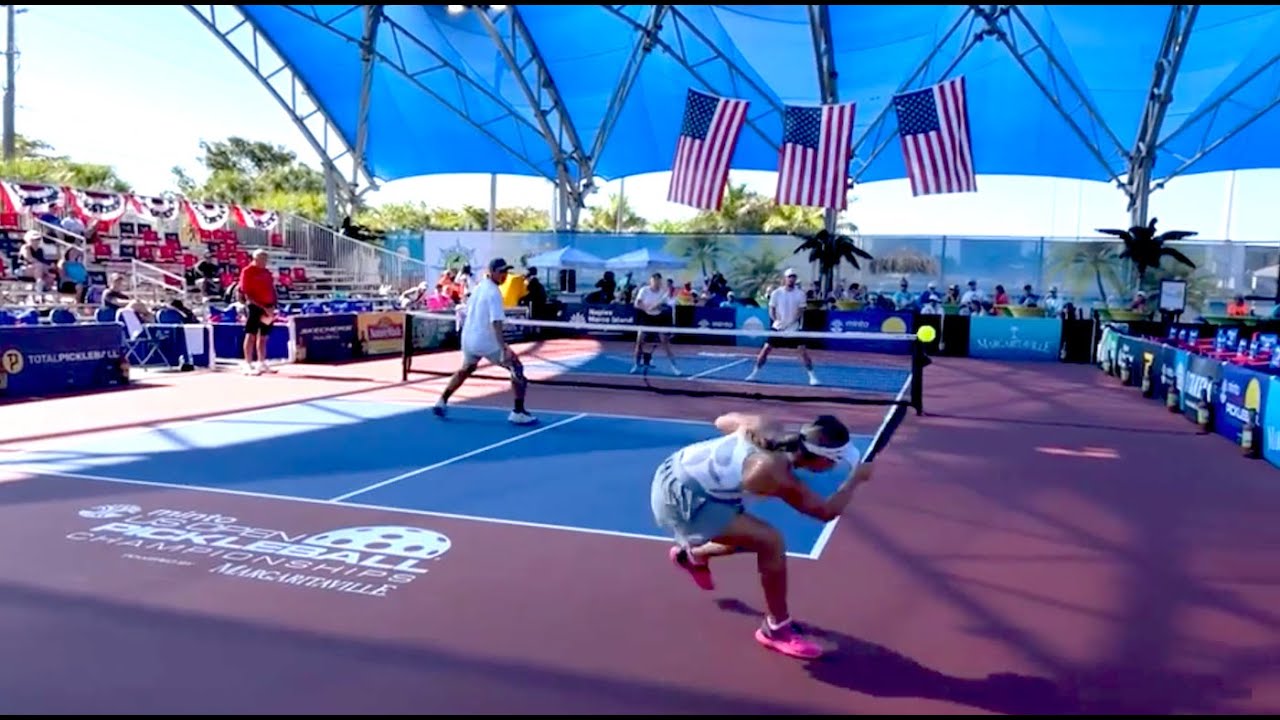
(48, 360)
(1240, 392)
(1201, 380)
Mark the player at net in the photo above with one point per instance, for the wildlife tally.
(858, 368)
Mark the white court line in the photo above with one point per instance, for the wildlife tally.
(379, 508)
(456, 458)
(507, 408)
(825, 536)
(718, 368)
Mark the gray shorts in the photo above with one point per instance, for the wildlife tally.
(470, 358)
(684, 509)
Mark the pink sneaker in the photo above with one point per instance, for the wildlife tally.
(700, 572)
(788, 640)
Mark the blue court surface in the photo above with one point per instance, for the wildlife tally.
(884, 374)
(573, 471)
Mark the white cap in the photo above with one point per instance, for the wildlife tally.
(33, 234)
(789, 272)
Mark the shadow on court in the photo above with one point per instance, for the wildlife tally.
(865, 667)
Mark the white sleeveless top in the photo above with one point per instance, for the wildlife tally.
(716, 464)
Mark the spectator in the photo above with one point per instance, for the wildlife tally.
(972, 295)
(903, 299)
(1002, 297)
(1028, 298)
(258, 285)
(209, 276)
(856, 293)
(75, 276)
(1238, 307)
(34, 262)
(115, 296)
(1052, 303)
(1139, 304)
(952, 297)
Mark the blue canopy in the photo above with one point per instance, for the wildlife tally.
(646, 259)
(569, 92)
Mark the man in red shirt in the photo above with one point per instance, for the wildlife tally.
(259, 288)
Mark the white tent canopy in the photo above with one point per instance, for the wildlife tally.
(646, 259)
(565, 257)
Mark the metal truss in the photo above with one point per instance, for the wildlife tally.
(1210, 111)
(825, 62)
(396, 38)
(679, 52)
(646, 38)
(520, 52)
(1142, 159)
(874, 129)
(239, 35)
(1006, 23)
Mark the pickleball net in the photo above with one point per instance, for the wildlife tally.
(856, 368)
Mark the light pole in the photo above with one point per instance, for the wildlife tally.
(11, 71)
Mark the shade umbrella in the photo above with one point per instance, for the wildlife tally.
(646, 259)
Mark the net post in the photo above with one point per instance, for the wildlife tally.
(918, 359)
(406, 352)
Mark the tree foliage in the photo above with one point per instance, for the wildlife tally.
(35, 161)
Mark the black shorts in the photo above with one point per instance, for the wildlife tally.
(787, 342)
(661, 320)
(253, 325)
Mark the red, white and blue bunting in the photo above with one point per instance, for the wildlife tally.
(266, 220)
(94, 206)
(154, 208)
(33, 198)
(207, 215)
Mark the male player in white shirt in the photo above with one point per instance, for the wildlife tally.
(786, 309)
(482, 339)
(653, 309)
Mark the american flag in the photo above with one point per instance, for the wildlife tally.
(708, 137)
(813, 162)
(934, 126)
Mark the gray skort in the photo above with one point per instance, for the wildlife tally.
(683, 508)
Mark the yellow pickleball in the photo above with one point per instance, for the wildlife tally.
(926, 334)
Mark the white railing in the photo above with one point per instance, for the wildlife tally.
(359, 263)
(143, 273)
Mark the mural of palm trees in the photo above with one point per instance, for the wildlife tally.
(905, 262)
(1080, 263)
(1199, 286)
(750, 274)
(705, 251)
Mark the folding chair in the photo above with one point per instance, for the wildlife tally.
(139, 338)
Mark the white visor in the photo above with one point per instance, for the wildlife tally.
(836, 453)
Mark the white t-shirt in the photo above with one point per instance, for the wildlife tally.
(650, 301)
(484, 308)
(788, 306)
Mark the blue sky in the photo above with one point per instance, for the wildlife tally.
(138, 87)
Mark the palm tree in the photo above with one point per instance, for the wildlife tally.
(752, 273)
(604, 218)
(704, 250)
(1082, 262)
(742, 211)
(828, 251)
(794, 220)
(1146, 249)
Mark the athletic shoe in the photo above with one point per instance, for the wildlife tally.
(266, 369)
(521, 418)
(813, 379)
(789, 640)
(752, 376)
(700, 572)
(439, 408)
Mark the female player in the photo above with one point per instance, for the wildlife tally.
(697, 495)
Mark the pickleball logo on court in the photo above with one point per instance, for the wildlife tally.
(368, 560)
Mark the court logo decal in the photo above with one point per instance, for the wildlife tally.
(370, 560)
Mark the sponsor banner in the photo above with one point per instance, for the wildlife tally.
(430, 333)
(1271, 422)
(866, 321)
(1240, 391)
(381, 333)
(369, 562)
(712, 318)
(1202, 376)
(598, 315)
(753, 322)
(38, 361)
(1128, 360)
(323, 338)
(1006, 338)
(228, 341)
